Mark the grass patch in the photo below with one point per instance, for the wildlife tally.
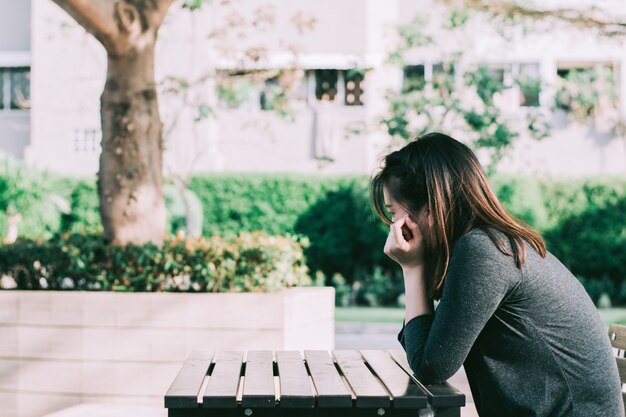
(613, 315)
(370, 314)
(396, 315)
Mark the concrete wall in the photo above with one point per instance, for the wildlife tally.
(67, 77)
(15, 36)
(14, 132)
(15, 26)
(61, 348)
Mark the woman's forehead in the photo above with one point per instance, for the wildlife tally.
(389, 201)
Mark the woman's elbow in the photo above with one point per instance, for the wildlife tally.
(428, 373)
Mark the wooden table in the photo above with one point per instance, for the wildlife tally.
(322, 383)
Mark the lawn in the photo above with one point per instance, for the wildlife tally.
(396, 315)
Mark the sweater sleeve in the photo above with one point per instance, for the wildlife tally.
(478, 279)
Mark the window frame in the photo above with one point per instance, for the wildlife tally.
(5, 93)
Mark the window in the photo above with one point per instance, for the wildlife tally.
(586, 89)
(265, 96)
(529, 81)
(439, 76)
(326, 84)
(15, 88)
(354, 87)
(19, 83)
(87, 140)
(345, 86)
(414, 78)
(443, 77)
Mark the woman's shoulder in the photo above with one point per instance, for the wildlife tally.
(480, 240)
(481, 236)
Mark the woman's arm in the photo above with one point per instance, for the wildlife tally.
(417, 302)
(478, 278)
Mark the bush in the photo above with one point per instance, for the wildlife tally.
(593, 245)
(523, 197)
(176, 210)
(270, 202)
(84, 214)
(38, 196)
(248, 262)
(345, 236)
(333, 212)
(381, 288)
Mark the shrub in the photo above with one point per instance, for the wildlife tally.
(176, 209)
(270, 202)
(248, 262)
(84, 213)
(381, 288)
(345, 236)
(333, 212)
(39, 196)
(593, 245)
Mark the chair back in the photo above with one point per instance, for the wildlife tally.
(617, 335)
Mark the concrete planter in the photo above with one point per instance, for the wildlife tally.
(62, 348)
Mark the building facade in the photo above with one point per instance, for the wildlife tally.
(52, 74)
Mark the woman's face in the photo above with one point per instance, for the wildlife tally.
(393, 207)
(397, 210)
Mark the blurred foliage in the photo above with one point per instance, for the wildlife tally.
(84, 214)
(457, 98)
(592, 244)
(586, 92)
(248, 262)
(530, 87)
(39, 196)
(341, 226)
(235, 91)
(252, 201)
(582, 221)
(179, 207)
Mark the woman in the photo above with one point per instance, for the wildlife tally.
(530, 339)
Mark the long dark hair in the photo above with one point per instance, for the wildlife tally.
(442, 175)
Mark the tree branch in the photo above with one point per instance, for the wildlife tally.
(162, 7)
(96, 16)
(585, 19)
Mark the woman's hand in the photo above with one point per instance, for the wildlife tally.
(405, 243)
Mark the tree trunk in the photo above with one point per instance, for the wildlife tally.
(130, 179)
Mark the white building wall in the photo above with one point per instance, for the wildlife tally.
(573, 149)
(15, 30)
(69, 70)
(67, 78)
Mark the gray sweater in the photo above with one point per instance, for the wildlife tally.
(531, 341)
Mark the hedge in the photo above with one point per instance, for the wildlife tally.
(333, 212)
(248, 262)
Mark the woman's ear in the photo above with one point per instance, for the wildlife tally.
(429, 217)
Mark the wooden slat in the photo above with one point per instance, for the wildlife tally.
(331, 390)
(221, 391)
(440, 395)
(183, 393)
(621, 367)
(295, 386)
(405, 392)
(258, 383)
(617, 336)
(368, 390)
